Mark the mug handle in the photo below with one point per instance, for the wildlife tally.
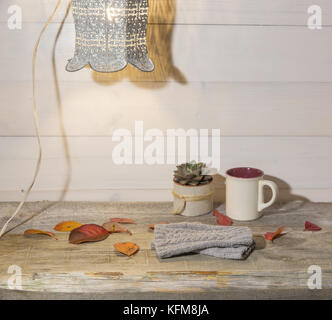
(261, 204)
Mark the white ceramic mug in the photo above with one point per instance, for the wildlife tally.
(245, 194)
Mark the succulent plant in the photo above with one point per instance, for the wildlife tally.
(190, 174)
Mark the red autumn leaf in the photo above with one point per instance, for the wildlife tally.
(216, 213)
(272, 235)
(309, 226)
(152, 226)
(127, 248)
(224, 220)
(122, 220)
(115, 228)
(35, 231)
(88, 233)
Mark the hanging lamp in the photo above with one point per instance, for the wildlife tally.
(110, 34)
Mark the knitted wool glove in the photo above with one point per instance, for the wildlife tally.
(218, 241)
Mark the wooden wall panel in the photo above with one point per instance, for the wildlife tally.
(234, 12)
(251, 68)
(239, 54)
(290, 161)
(90, 109)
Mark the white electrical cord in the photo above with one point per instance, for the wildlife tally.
(36, 119)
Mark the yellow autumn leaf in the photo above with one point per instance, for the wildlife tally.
(67, 226)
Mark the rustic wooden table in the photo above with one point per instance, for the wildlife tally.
(59, 270)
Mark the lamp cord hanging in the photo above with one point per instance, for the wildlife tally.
(36, 120)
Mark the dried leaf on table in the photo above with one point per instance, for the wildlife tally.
(35, 231)
(115, 228)
(88, 233)
(222, 219)
(122, 220)
(216, 213)
(309, 226)
(272, 235)
(152, 226)
(67, 226)
(127, 248)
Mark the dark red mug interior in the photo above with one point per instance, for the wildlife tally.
(245, 173)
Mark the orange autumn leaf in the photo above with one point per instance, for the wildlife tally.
(122, 220)
(127, 248)
(115, 228)
(152, 226)
(35, 231)
(67, 226)
(272, 235)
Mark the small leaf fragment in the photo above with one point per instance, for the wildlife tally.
(122, 220)
(115, 228)
(36, 231)
(152, 226)
(127, 248)
(222, 219)
(309, 226)
(88, 233)
(272, 235)
(67, 226)
(216, 213)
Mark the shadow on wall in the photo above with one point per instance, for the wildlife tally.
(159, 42)
(294, 201)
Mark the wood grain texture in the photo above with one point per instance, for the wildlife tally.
(293, 162)
(183, 54)
(239, 12)
(274, 269)
(146, 194)
(245, 109)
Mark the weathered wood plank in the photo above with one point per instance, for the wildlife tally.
(148, 194)
(183, 54)
(57, 266)
(92, 109)
(94, 168)
(240, 12)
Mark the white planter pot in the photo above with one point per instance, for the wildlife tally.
(192, 201)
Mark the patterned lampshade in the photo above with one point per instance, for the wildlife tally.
(110, 34)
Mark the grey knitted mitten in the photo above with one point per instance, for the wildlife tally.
(218, 241)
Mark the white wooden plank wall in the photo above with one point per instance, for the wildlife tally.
(252, 69)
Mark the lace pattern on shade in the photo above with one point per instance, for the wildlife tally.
(110, 34)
